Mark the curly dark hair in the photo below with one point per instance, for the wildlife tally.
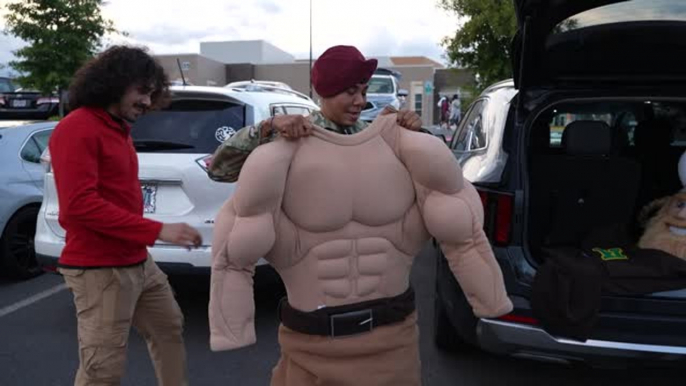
(103, 80)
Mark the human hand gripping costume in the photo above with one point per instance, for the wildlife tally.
(340, 218)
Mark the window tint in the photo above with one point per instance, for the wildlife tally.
(278, 110)
(200, 124)
(35, 146)
(297, 110)
(31, 152)
(563, 119)
(379, 85)
(471, 133)
(418, 104)
(42, 138)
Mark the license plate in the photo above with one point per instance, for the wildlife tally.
(149, 197)
(20, 103)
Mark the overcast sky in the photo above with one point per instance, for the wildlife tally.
(376, 27)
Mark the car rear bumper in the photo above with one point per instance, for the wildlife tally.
(532, 342)
(172, 259)
(42, 112)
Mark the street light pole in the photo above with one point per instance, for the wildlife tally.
(310, 49)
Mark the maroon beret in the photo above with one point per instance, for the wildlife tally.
(339, 68)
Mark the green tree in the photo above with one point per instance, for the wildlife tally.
(60, 34)
(482, 44)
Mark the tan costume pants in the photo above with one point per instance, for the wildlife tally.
(387, 356)
(108, 302)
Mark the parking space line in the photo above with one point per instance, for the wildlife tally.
(33, 299)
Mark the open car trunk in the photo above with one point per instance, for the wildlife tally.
(592, 42)
(593, 166)
(596, 161)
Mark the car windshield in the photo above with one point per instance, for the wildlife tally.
(626, 11)
(189, 126)
(380, 85)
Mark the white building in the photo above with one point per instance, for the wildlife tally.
(245, 51)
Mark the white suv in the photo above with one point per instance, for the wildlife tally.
(383, 91)
(173, 146)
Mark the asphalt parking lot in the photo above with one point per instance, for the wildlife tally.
(38, 343)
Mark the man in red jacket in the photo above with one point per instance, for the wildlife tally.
(105, 261)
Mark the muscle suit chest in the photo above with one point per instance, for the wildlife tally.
(364, 184)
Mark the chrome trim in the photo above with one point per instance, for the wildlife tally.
(160, 181)
(513, 338)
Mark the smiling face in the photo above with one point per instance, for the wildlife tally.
(344, 108)
(667, 230)
(135, 102)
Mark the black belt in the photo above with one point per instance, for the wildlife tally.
(349, 319)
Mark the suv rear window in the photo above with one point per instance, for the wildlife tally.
(624, 12)
(380, 85)
(622, 117)
(196, 126)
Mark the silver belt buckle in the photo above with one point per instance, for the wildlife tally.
(356, 322)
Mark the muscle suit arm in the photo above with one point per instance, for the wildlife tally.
(453, 214)
(244, 232)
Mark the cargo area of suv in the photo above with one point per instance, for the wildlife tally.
(593, 134)
(596, 164)
(593, 166)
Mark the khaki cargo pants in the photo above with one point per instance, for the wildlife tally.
(108, 302)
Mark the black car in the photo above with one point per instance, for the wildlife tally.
(17, 103)
(590, 130)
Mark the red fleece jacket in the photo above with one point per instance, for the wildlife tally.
(101, 203)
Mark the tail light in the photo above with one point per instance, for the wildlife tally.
(2, 100)
(521, 319)
(204, 162)
(45, 160)
(498, 208)
(42, 101)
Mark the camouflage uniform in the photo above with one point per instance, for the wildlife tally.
(231, 155)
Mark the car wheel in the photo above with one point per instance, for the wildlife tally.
(17, 248)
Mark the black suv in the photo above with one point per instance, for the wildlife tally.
(589, 131)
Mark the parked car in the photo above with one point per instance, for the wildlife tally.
(577, 75)
(174, 146)
(253, 82)
(21, 189)
(383, 90)
(267, 86)
(28, 104)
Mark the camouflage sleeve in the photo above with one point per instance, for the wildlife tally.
(230, 156)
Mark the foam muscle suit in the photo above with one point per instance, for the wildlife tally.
(341, 218)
